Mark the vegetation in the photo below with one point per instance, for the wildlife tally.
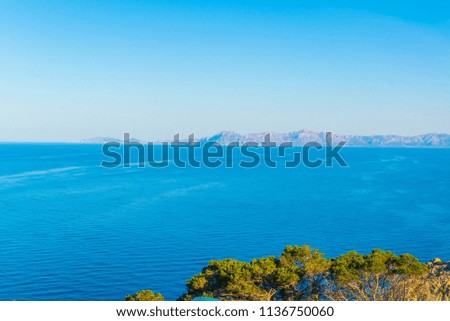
(145, 295)
(303, 273)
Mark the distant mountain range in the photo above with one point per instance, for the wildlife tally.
(301, 137)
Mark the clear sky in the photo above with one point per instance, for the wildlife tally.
(76, 69)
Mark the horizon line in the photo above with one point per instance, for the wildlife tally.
(112, 138)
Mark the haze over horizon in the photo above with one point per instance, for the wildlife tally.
(74, 70)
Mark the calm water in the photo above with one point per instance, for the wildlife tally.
(71, 230)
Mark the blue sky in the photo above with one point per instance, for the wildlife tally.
(76, 69)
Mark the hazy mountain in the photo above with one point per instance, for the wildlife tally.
(301, 137)
(103, 140)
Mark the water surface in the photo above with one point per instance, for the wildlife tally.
(71, 230)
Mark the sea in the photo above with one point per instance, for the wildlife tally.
(71, 229)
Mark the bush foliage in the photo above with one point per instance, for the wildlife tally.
(303, 273)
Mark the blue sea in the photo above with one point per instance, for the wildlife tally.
(72, 230)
